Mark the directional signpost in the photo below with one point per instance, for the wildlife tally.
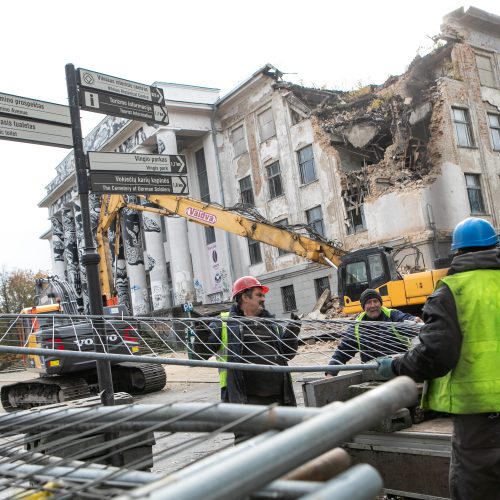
(137, 173)
(37, 122)
(115, 85)
(123, 107)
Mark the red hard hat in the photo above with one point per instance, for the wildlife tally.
(245, 283)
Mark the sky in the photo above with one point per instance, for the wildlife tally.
(218, 44)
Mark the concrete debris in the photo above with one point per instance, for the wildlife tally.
(327, 307)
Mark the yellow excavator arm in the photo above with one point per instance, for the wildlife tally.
(208, 214)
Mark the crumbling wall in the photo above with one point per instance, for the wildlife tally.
(388, 129)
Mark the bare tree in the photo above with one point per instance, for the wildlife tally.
(17, 289)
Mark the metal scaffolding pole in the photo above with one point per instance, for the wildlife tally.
(361, 482)
(258, 466)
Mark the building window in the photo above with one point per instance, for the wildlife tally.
(238, 140)
(473, 183)
(494, 121)
(246, 190)
(314, 218)
(254, 251)
(321, 284)
(461, 118)
(485, 70)
(306, 165)
(266, 125)
(274, 179)
(201, 171)
(288, 296)
(282, 223)
(355, 218)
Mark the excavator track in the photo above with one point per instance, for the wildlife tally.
(138, 378)
(42, 391)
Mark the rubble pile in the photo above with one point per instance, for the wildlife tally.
(327, 307)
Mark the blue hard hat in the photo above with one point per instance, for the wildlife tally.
(474, 232)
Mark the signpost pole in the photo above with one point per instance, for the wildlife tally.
(90, 258)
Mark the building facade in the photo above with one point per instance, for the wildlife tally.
(397, 164)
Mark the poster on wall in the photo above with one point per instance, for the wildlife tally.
(215, 268)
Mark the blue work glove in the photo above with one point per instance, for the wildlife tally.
(384, 369)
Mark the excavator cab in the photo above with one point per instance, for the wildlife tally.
(362, 269)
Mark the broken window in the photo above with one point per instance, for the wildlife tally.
(306, 165)
(298, 110)
(254, 251)
(274, 179)
(315, 219)
(266, 125)
(320, 285)
(238, 140)
(461, 118)
(494, 121)
(485, 70)
(473, 183)
(283, 223)
(288, 296)
(354, 190)
(246, 190)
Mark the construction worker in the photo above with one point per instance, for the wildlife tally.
(458, 356)
(370, 340)
(259, 342)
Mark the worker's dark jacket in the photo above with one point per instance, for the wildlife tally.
(374, 342)
(440, 337)
(284, 346)
(475, 463)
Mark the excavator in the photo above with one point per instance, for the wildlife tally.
(358, 270)
(53, 323)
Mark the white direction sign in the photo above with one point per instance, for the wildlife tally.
(15, 129)
(136, 162)
(23, 107)
(137, 183)
(123, 107)
(114, 85)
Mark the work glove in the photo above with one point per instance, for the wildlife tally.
(333, 372)
(294, 328)
(384, 370)
(201, 348)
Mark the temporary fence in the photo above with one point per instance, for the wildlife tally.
(305, 346)
(84, 450)
(57, 450)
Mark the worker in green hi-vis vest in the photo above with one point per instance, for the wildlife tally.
(249, 334)
(459, 357)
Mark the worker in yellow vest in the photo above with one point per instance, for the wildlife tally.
(238, 339)
(459, 357)
(373, 333)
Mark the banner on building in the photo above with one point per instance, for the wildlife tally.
(215, 268)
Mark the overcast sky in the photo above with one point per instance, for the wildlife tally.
(214, 44)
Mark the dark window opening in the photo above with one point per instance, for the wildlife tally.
(288, 297)
(321, 284)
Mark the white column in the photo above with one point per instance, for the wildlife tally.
(77, 211)
(134, 257)
(71, 254)
(58, 264)
(177, 237)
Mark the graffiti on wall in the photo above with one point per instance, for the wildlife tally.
(71, 255)
(57, 239)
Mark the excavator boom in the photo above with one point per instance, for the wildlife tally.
(209, 214)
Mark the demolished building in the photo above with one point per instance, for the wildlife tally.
(397, 164)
